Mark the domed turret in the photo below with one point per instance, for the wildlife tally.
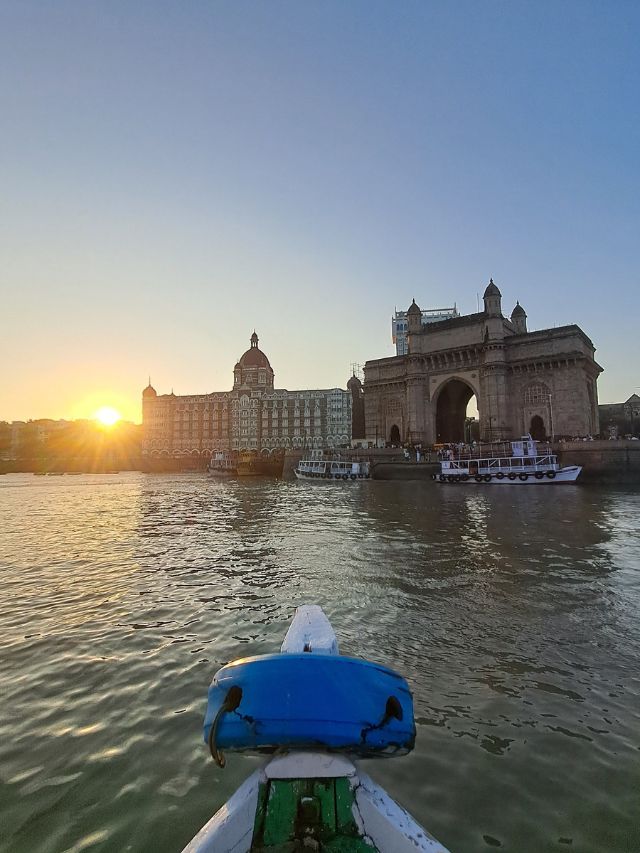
(519, 319)
(492, 300)
(357, 408)
(149, 391)
(492, 289)
(414, 318)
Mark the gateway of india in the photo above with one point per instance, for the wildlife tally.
(542, 382)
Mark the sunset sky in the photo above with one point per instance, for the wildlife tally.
(174, 175)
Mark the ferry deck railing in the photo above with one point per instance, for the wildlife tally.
(518, 464)
(502, 449)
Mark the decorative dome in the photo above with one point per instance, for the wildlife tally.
(414, 309)
(149, 391)
(518, 311)
(491, 290)
(254, 357)
(354, 382)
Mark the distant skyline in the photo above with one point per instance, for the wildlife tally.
(176, 175)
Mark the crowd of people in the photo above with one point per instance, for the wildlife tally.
(456, 450)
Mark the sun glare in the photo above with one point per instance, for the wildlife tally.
(107, 416)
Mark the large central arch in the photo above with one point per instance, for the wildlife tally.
(451, 410)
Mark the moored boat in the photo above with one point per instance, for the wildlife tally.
(316, 467)
(254, 464)
(313, 710)
(222, 464)
(520, 462)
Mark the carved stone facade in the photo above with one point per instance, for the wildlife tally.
(543, 382)
(621, 419)
(252, 416)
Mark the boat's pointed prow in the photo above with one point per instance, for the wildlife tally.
(310, 631)
(316, 710)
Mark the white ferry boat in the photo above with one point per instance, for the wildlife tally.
(514, 463)
(319, 468)
(222, 464)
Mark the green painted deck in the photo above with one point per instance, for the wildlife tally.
(303, 814)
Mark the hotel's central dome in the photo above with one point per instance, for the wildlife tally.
(253, 369)
(254, 357)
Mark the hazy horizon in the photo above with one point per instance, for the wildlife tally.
(176, 176)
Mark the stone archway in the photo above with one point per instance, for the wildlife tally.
(394, 435)
(451, 410)
(537, 429)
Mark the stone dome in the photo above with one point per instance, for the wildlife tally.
(491, 290)
(414, 309)
(149, 391)
(354, 382)
(518, 311)
(254, 357)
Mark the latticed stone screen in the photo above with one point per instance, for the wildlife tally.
(536, 394)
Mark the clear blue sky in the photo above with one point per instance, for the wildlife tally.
(173, 175)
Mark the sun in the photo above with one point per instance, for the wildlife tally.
(107, 416)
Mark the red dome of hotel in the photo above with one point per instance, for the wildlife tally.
(254, 357)
(253, 368)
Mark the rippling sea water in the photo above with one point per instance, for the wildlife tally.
(513, 612)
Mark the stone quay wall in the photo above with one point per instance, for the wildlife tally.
(609, 462)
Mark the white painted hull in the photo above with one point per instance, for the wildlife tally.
(329, 479)
(562, 476)
(378, 817)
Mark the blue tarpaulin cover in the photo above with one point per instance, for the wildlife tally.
(310, 701)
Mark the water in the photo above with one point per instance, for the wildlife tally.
(513, 613)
